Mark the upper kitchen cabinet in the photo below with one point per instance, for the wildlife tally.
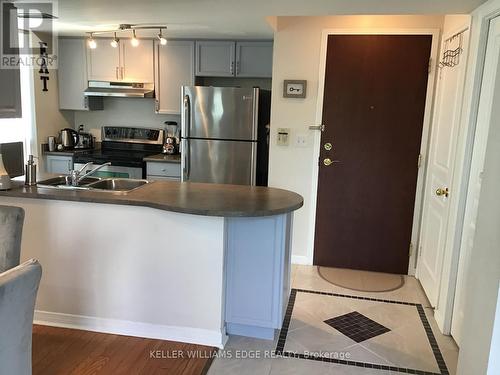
(174, 67)
(215, 58)
(104, 61)
(234, 59)
(72, 76)
(254, 59)
(137, 62)
(122, 63)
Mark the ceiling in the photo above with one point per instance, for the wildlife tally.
(229, 18)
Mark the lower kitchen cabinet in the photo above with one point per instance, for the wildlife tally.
(59, 164)
(163, 171)
(256, 301)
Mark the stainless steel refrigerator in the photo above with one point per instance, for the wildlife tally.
(224, 135)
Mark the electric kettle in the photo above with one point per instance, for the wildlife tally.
(69, 138)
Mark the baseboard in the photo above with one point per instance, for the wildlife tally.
(301, 259)
(128, 328)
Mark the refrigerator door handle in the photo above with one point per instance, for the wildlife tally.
(185, 160)
(253, 165)
(187, 116)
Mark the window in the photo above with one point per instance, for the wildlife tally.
(22, 129)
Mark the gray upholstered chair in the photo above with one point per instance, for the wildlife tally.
(11, 229)
(18, 288)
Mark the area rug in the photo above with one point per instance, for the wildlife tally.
(364, 281)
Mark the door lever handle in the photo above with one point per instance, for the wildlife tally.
(329, 161)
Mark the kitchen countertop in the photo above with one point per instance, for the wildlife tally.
(163, 158)
(65, 152)
(184, 197)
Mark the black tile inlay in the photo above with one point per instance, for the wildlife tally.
(280, 346)
(356, 326)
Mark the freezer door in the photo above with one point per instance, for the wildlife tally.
(220, 112)
(220, 162)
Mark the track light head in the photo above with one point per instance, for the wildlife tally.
(134, 41)
(91, 42)
(161, 38)
(114, 42)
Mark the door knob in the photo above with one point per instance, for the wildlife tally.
(329, 161)
(440, 192)
(328, 146)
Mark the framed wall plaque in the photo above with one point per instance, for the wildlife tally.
(294, 88)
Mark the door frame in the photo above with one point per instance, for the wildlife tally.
(473, 142)
(424, 145)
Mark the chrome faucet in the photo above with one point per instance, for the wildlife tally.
(76, 175)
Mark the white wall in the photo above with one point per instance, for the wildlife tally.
(494, 361)
(481, 236)
(122, 112)
(297, 44)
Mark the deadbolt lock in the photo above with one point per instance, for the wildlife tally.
(328, 146)
(440, 192)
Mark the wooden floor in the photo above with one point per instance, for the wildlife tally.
(61, 351)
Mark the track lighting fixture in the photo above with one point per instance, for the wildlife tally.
(126, 28)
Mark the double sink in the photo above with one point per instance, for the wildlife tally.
(114, 185)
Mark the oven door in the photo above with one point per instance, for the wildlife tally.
(112, 171)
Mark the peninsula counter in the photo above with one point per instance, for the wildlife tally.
(177, 261)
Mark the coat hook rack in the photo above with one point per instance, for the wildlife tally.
(451, 56)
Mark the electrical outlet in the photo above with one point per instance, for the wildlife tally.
(283, 137)
(301, 140)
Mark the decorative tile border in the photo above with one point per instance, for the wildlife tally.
(280, 346)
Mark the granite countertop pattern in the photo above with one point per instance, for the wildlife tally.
(163, 158)
(184, 197)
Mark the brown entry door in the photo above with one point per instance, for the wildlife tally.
(373, 110)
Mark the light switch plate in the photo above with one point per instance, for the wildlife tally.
(283, 137)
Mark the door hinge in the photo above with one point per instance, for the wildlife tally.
(410, 251)
(419, 161)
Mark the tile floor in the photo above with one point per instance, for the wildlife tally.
(403, 348)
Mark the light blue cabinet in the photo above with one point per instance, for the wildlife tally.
(257, 274)
(234, 59)
(254, 59)
(72, 77)
(215, 58)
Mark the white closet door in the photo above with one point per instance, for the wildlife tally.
(440, 168)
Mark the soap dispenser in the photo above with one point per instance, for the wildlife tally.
(30, 175)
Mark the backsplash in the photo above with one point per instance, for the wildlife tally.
(122, 112)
